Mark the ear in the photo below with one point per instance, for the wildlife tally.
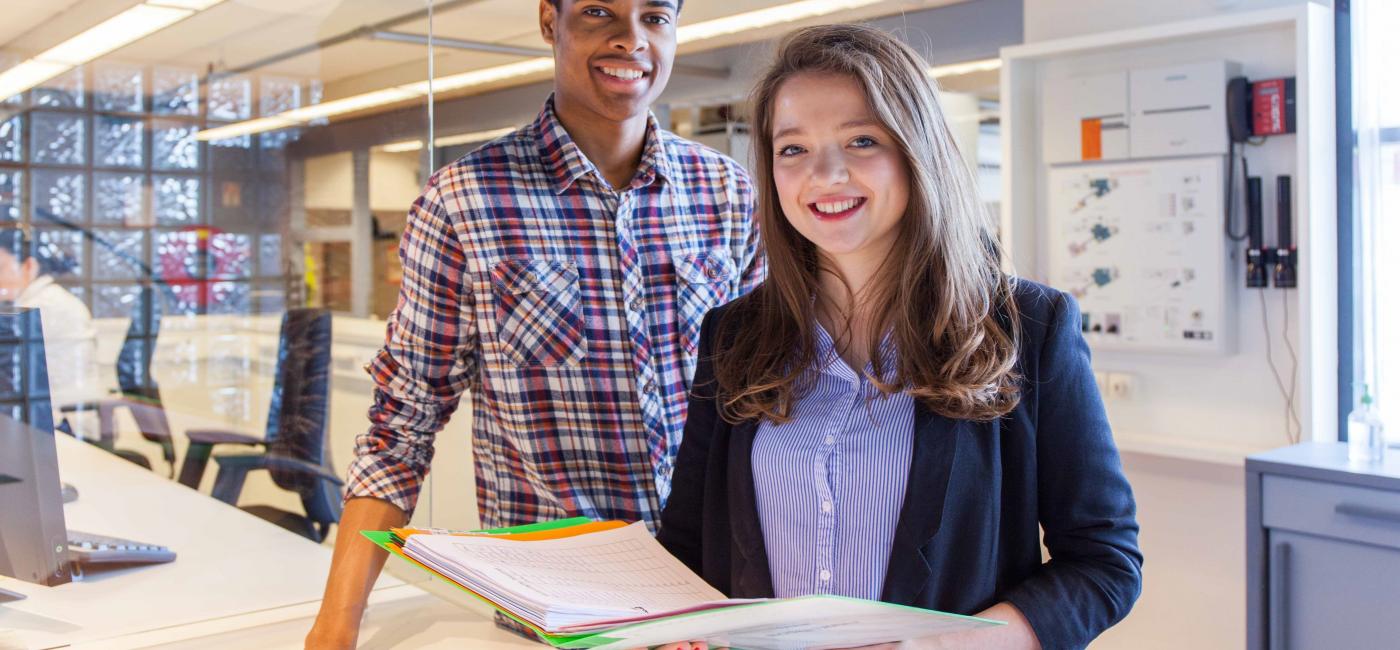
(549, 15)
(30, 270)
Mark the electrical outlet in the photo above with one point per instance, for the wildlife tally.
(1121, 385)
(1101, 378)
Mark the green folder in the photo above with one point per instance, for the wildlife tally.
(390, 542)
(632, 631)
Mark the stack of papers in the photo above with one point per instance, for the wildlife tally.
(605, 585)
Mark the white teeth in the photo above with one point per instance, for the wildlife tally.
(838, 206)
(623, 73)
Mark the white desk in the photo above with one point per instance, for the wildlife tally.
(237, 577)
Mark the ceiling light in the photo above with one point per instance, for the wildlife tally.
(249, 127)
(192, 5)
(952, 70)
(485, 75)
(750, 20)
(28, 74)
(449, 140)
(758, 19)
(479, 136)
(116, 32)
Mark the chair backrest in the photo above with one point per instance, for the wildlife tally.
(134, 376)
(296, 414)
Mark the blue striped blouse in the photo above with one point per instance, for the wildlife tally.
(830, 482)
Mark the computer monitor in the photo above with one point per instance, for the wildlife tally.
(33, 534)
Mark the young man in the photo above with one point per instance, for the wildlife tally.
(560, 275)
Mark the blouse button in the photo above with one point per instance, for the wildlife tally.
(825, 575)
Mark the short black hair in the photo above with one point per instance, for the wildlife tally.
(679, 4)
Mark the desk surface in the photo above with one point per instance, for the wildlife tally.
(235, 574)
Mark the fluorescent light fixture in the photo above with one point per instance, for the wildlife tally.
(116, 32)
(346, 104)
(192, 5)
(485, 75)
(402, 147)
(479, 136)
(110, 34)
(239, 129)
(955, 69)
(760, 18)
(28, 74)
(449, 140)
(749, 20)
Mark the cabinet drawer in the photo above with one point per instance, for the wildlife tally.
(1340, 511)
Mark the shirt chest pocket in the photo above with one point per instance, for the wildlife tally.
(704, 281)
(539, 312)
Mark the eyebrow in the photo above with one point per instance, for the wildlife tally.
(853, 124)
(663, 4)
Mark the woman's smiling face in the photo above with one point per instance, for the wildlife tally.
(840, 176)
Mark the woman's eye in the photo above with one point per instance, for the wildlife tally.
(863, 142)
(790, 150)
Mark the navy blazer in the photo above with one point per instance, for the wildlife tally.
(968, 535)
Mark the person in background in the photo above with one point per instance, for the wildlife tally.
(70, 339)
(890, 415)
(560, 275)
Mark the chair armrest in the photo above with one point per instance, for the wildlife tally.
(221, 437)
(202, 443)
(228, 483)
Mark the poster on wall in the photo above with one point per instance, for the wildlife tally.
(1141, 245)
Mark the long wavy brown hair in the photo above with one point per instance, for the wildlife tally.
(942, 293)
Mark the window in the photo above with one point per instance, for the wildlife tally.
(1375, 115)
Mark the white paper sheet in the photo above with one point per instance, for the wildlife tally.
(601, 575)
(806, 623)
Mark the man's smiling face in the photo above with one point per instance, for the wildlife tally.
(612, 57)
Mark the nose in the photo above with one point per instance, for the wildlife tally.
(629, 38)
(830, 167)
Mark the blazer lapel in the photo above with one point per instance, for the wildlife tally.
(930, 469)
(752, 577)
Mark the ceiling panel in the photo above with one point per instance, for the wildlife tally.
(20, 16)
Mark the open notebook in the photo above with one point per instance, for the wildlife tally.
(584, 584)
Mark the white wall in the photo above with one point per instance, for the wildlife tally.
(1191, 512)
(393, 181)
(1050, 19)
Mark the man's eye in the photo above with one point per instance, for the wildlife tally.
(595, 11)
(658, 20)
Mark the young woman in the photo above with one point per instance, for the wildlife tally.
(890, 415)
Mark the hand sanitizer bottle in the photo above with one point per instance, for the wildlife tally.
(1365, 431)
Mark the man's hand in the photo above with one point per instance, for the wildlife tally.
(354, 568)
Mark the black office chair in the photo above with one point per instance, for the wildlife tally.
(295, 450)
(138, 391)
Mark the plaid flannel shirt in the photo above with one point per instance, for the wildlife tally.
(569, 310)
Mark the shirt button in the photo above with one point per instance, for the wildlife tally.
(649, 387)
(825, 575)
(637, 304)
(830, 440)
(826, 506)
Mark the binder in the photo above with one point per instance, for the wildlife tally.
(764, 624)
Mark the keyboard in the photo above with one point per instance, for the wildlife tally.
(86, 548)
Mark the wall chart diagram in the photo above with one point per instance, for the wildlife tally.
(1141, 245)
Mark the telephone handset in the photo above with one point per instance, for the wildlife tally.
(1239, 114)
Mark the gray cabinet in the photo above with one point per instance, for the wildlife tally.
(1323, 550)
